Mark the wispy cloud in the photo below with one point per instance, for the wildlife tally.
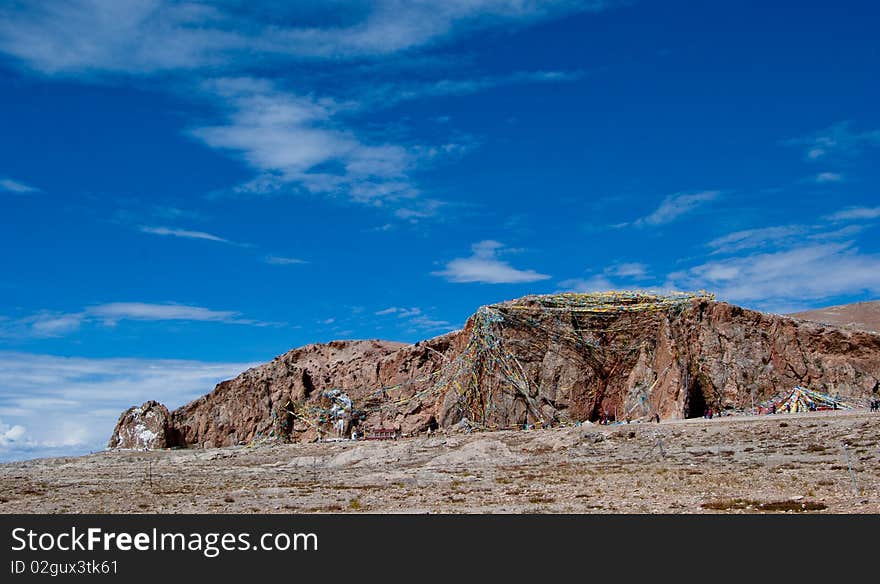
(143, 37)
(423, 323)
(628, 275)
(48, 324)
(828, 177)
(392, 26)
(292, 140)
(391, 94)
(837, 141)
(115, 311)
(786, 236)
(414, 319)
(855, 214)
(295, 140)
(283, 261)
(757, 238)
(596, 283)
(634, 270)
(51, 405)
(13, 186)
(674, 206)
(486, 267)
(184, 233)
(399, 312)
(788, 278)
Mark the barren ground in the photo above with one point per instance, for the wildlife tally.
(861, 315)
(739, 465)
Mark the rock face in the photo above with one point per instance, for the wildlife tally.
(146, 426)
(538, 360)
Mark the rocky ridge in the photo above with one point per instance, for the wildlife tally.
(539, 360)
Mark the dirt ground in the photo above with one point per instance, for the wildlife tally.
(781, 463)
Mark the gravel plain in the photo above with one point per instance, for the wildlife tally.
(769, 464)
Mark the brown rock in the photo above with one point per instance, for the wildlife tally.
(532, 362)
(145, 427)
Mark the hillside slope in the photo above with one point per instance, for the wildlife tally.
(861, 315)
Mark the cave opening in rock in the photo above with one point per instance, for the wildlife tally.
(283, 421)
(695, 406)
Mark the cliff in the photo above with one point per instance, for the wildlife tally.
(538, 360)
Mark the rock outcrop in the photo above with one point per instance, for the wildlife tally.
(145, 426)
(538, 360)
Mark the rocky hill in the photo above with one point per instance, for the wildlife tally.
(542, 360)
(860, 315)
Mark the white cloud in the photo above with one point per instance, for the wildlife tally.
(388, 95)
(796, 276)
(283, 261)
(116, 311)
(9, 435)
(48, 324)
(148, 36)
(125, 36)
(14, 186)
(415, 320)
(184, 233)
(419, 209)
(828, 177)
(55, 405)
(782, 268)
(484, 266)
(620, 276)
(786, 236)
(423, 323)
(597, 283)
(628, 270)
(292, 141)
(838, 140)
(757, 238)
(400, 312)
(393, 26)
(855, 214)
(674, 206)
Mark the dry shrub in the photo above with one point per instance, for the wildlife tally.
(734, 504)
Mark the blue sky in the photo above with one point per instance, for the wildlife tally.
(188, 189)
